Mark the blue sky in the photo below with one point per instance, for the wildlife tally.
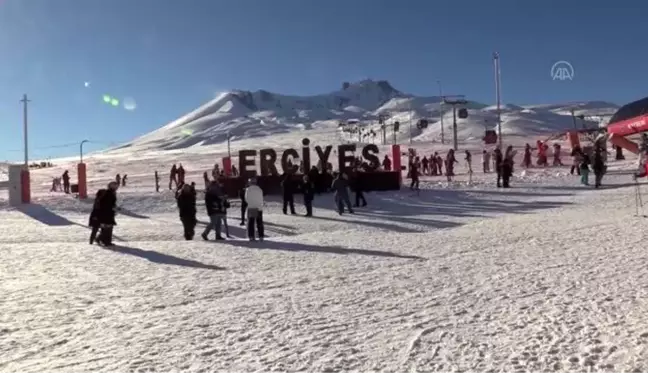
(171, 56)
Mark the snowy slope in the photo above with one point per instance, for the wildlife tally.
(251, 115)
(546, 276)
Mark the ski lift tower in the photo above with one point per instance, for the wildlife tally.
(454, 101)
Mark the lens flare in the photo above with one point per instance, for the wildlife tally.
(130, 104)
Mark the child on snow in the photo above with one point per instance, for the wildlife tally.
(584, 169)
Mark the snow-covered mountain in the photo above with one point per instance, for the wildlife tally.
(249, 115)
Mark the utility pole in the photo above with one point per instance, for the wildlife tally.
(441, 110)
(496, 63)
(25, 102)
(454, 104)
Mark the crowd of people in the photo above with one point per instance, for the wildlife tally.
(323, 179)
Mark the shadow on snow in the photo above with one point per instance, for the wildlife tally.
(160, 258)
(293, 246)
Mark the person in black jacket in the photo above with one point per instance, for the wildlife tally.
(308, 189)
(244, 205)
(358, 188)
(288, 190)
(598, 166)
(106, 211)
(215, 210)
(187, 209)
(93, 222)
(499, 160)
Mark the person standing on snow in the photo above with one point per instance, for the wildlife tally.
(507, 166)
(187, 209)
(598, 166)
(288, 191)
(499, 160)
(450, 161)
(106, 210)
(556, 155)
(386, 163)
(414, 174)
(526, 160)
(308, 190)
(576, 154)
(340, 187)
(93, 222)
(244, 204)
(215, 211)
(157, 182)
(584, 169)
(254, 199)
(173, 176)
(485, 161)
(358, 188)
(426, 165)
(66, 182)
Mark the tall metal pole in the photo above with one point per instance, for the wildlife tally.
(25, 101)
(441, 110)
(229, 152)
(455, 140)
(81, 150)
(574, 119)
(496, 62)
(410, 120)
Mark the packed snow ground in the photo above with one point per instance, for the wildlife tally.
(548, 275)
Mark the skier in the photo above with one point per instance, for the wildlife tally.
(254, 198)
(308, 189)
(118, 179)
(340, 188)
(215, 211)
(288, 191)
(66, 182)
(123, 181)
(187, 209)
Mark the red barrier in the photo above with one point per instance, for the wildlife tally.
(227, 166)
(82, 181)
(25, 191)
(396, 161)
